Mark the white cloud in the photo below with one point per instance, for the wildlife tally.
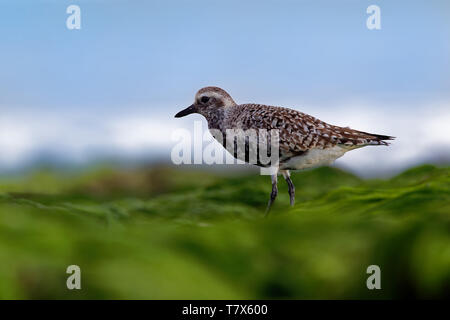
(421, 135)
(16, 140)
(135, 134)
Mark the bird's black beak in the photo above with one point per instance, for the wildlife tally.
(185, 112)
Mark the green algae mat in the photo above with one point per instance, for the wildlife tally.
(168, 233)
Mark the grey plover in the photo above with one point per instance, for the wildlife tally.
(304, 141)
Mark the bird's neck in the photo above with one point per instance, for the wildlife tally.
(216, 118)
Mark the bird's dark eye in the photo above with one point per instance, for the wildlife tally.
(204, 99)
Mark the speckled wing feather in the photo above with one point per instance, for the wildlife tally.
(299, 131)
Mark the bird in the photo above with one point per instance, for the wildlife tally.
(303, 140)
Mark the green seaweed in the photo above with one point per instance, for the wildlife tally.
(172, 233)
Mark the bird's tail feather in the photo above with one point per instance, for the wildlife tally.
(378, 139)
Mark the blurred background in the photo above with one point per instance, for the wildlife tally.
(108, 92)
(87, 117)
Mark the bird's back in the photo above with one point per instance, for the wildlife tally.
(299, 131)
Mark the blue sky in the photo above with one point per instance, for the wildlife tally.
(145, 60)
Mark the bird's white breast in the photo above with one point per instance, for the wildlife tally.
(314, 158)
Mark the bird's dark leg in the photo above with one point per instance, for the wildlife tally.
(274, 192)
(287, 177)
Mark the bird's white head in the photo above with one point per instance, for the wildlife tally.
(208, 101)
